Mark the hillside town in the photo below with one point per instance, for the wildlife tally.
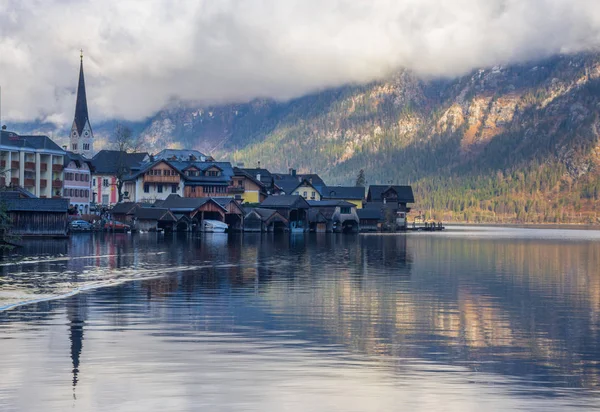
(49, 190)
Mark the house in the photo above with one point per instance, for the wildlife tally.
(33, 162)
(395, 199)
(351, 194)
(265, 220)
(333, 216)
(109, 167)
(308, 186)
(247, 187)
(77, 182)
(153, 219)
(370, 219)
(125, 211)
(153, 181)
(180, 155)
(32, 216)
(292, 207)
(263, 175)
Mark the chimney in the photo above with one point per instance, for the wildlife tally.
(290, 170)
(259, 164)
(293, 172)
(65, 147)
(310, 180)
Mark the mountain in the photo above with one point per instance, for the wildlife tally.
(505, 144)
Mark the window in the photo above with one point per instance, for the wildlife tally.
(312, 196)
(104, 199)
(192, 189)
(304, 195)
(94, 182)
(77, 177)
(105, 182)
(76, 193)
(86, 146)
(146, 188)
(87, 178)
(159, 188)
(174, 188)
(74, 146)
(344, 210)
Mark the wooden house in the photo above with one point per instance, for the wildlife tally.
(395, 200)
(152, 219)
(265, 220)
(339, 215)
(292, 207)
(234, 215)
(32, 216)
(196, 209)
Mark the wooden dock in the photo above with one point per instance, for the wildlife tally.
(426, 227)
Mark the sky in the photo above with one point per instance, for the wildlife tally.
(141, 55)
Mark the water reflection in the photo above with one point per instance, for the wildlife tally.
(520, 312)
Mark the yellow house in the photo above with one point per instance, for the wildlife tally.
(247, 187)
(350, 194)
(306, 190)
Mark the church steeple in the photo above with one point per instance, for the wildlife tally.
(82, 138)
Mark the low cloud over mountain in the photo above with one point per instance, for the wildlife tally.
(139, 55)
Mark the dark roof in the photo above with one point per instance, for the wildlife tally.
(242, 172)
(266, 214)
(177, 203)
(34, 204)
(108, 161)
(329, 203)
(317, 216)
(286, 181)
(284, 202)
(343, 192)
(370, 213)
(124, 208)
(265, 176)
(28, 142)
(155, 213)
(81, 109)
(179, 154)
(405, 193)
(16, 192)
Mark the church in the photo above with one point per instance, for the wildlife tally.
(82, 137)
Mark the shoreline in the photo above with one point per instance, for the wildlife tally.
(580, 226)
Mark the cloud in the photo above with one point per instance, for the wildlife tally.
(141, 54)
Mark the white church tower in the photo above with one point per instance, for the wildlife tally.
(82, 138)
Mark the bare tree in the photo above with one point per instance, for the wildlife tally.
(124, 142)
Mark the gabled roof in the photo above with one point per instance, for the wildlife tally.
(284, 202)
(124, 208)
(34, 204)
(155, 213)
(343, 192)
(266, 214)
(16, 192)
(109, 161)
(265, 176)
(182, 155)
(176, 203)
(242, 172)
(376, 192)
(81, 109)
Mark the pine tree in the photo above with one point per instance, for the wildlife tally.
(360, 179)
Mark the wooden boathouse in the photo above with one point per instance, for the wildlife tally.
(32, 216)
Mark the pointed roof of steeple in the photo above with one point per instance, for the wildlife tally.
(81, 109)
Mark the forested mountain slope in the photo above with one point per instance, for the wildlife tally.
(518, 143)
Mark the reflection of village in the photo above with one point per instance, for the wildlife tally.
(385, 296)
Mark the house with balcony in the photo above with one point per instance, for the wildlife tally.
(394, 201)
(153, 181)
(247, 187)
(77, 182)
(309, 186)
(32, 162)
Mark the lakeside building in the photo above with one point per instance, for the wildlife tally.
(33, 162)
(392, 201)
(247, 187)
(33, 216)
(109, 166)
(350, 194)
(77, 182)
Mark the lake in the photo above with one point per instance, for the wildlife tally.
(470, 319)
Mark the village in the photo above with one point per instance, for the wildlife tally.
(49, 190)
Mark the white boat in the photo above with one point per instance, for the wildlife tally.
(214, 226)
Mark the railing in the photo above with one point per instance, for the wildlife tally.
(235, 189)
(29, 182)
(43, 183)
(29, 165)
(161, 179)
(14, 164)
(57, 168)
(57, 183)
(43, 167)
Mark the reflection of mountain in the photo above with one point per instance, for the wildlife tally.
(517, 307)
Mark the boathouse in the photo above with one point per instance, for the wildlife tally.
(292, 207)
(153, 219)
(338, 216)
(265, 220)
(32, 216)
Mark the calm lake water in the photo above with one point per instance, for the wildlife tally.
(472, 319)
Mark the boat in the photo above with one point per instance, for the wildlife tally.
(214, 226)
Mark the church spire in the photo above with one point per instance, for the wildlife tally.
(81, 109)
(82, 137)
